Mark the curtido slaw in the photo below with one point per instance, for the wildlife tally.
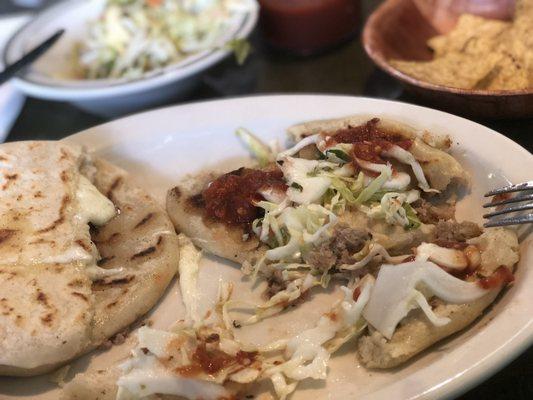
(167, 362)
(132, 37)
(203, 358)
(305, 215)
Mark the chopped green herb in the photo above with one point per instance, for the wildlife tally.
(341, 155)
(414, 222)
(297, 186)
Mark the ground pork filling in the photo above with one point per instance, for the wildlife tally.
(339, 248)
(276, 284)
(452, 231)
(429, 213)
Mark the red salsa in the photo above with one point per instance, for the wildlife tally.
(451, 244)
(308, 26)
(211, 361)
(232, 197)
(369, 140)
(498, 278)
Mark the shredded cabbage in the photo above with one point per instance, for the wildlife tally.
(308, 353)
(346, 192)
(390, 302)
(367, 193)
(304, 356)
(133, 37)
(260, 150)
(188, 273)
(395, 209)
(292, 227)
(449, 258)
(372, 251)
(277, 303)
(398, 181)
(310, 187)
(405, 157)
(314, 139)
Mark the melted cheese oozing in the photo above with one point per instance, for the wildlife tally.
(69, 255)
(94, 207)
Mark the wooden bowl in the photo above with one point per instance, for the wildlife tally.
(400, 29)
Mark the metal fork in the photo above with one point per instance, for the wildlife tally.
(525, 195)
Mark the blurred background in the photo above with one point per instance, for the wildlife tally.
(280, 62)
(340, 68)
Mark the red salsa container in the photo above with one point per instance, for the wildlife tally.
(308, 26)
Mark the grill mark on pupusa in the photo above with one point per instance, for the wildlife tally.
(5, 234)
(47, 319)
(109, 240)
(105, 260)
(143, 221)
(83, 245)
(117, 281)
(75, 283)
(148, 250)
(42, 298)
(143, 253)
(116, 183)
(112, 304)
(60, 219)
(10, 178)
(81, 296)
(176, 192)
(64, 155)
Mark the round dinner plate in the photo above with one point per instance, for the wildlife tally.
(160, 147)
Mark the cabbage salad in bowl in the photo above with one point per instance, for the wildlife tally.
(132, 37)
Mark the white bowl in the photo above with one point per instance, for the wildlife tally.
(51, 76)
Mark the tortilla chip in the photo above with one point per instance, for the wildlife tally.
(481, 54)
(454, 69)
(473, 35)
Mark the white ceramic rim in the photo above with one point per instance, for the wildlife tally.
(184, 69)
(495, 358)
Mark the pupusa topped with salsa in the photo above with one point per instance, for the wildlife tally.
(363, 204)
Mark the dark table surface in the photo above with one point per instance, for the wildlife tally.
(344, 70)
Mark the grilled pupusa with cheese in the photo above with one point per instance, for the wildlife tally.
(327, 174)
(84, 253)
(396, 333)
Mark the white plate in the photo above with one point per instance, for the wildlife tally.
(49, 78)
(160, 147)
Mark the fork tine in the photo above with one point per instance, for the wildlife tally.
(515, 199)
(509, 210)
(521, 219)
(511, 188)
